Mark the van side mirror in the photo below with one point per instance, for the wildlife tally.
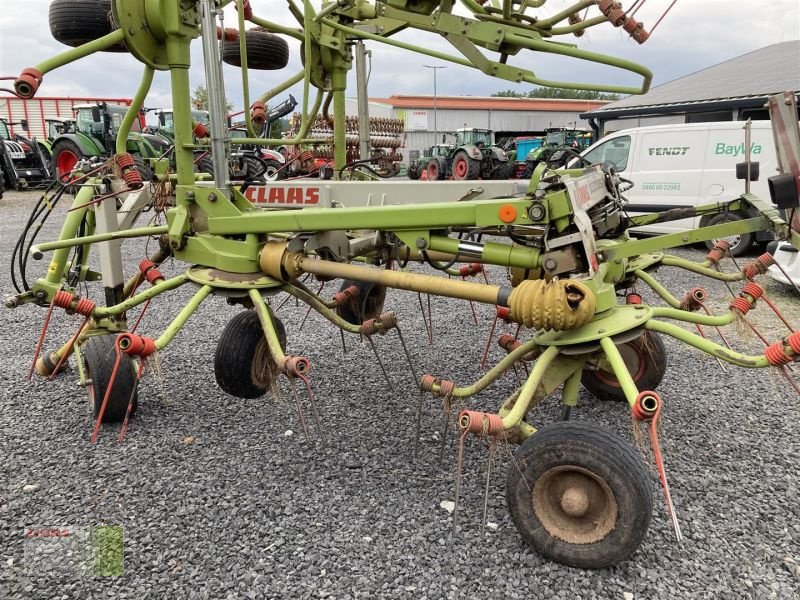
(96, 114)
(741, 170)
(162, 119)
(783, 191)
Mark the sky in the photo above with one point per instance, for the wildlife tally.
(694, 35)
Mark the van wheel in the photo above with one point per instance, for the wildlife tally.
(740, 243)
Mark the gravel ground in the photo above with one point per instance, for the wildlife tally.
(219, 500)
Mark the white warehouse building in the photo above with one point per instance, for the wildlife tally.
(426, 120)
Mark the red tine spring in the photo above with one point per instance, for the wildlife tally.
(480, 423)
(28, 82)
(136, 345)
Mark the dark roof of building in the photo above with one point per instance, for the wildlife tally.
(743, 80)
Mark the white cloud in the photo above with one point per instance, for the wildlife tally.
(696, 34)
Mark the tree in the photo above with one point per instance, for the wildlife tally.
(546, 92)
(200, 99)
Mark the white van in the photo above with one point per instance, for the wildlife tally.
(679, 166)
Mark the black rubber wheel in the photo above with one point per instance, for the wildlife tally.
(413, 171)
(76, 22)
(741, 243)
(580, 495)
(243, 365)
(465, 167)
(204, 164)
(436, 169)
(646, 359)
(529, 167)
(265, 51)
(99, 356)
(503, 171)
(368, 304)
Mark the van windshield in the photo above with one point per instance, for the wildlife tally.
(614, 152)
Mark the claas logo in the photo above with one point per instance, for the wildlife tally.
(298, 196)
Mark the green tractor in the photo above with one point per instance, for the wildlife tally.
(92, 136)
(473, 156)
(476, 156)
(437, 155)
(558, 147)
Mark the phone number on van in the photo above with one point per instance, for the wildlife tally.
(662, 187)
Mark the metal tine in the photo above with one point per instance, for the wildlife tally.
(130, 400)
(446, 429)
(425, 319)
(344, 346)
(459, 469)
(488, 342)
(299, 408)
(380, 362)
(408, 356)
(308, 312)
(312, 398)
(430, 320)
(486, 487)
(419, 425)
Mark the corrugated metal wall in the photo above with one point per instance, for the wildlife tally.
(37, 110)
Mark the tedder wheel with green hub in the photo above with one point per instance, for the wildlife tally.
(465, 167)
(243, 365)
(646, 361)
(99, 356)
(580, 495)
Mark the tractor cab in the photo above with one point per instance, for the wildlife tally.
(482, 138)
(166, 121)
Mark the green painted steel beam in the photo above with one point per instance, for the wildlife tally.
(183, 316)
(707, 346)
(386, 218)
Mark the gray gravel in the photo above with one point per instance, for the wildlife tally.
(217, 501)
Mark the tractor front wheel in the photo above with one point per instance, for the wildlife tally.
(66, 154)
(646, 360)
(99, 355)
(465, 167)
(435, 170)
(580, 495)
(243, 365)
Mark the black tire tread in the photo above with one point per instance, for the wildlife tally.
(587, 442)
(652, 345)
(265, 51)
(99, 355)
(356, 311)
(76, 22)
(235, 353)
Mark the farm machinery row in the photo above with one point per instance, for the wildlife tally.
(576, 492)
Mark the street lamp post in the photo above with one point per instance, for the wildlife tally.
(435, 124)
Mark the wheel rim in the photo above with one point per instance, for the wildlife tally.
(65, 163)
(574, 504)
(263, 367)
(271, 174)
(460, 168)
(733, 240)
(634, 360)
(433, 171)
